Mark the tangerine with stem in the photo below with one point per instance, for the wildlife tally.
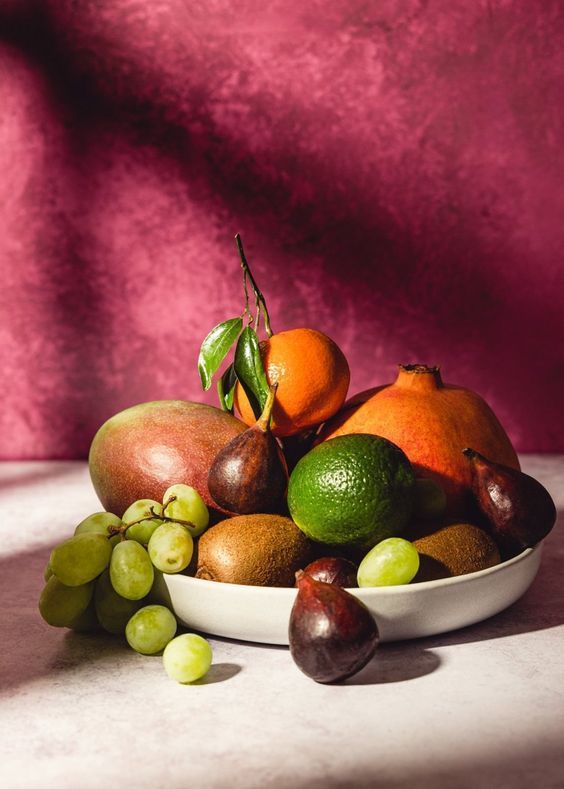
(313, 377)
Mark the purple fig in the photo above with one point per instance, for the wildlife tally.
(333, 570)
(249, 474)
(332, 634)
(520, 510)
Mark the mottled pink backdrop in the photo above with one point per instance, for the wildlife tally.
(395, 169)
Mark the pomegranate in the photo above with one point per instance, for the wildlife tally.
(432, 422)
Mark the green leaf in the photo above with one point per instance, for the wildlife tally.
(226, 388)
(250, 370)
(216, 347)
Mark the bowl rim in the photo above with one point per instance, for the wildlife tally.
(401, 589)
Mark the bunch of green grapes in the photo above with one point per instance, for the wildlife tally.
(104, 574)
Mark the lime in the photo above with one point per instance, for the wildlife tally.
(356, 489)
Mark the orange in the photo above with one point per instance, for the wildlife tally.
(313, 379)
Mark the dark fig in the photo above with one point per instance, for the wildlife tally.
(249, 474)
(520, 510)
(333, 570)
(332, 634)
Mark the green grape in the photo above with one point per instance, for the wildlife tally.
(185, 504)
(87, 621)
(430, 499)
(113, 610)
(80, 559)
(391, 562)
(171, 548)
(187, 658)
(131, 571)
(143, 509)
(61, 605)
(150, 629)
(98, 523)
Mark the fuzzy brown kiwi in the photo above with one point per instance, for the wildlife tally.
(258, 550)
(456, 549)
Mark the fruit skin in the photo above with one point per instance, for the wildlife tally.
(62, 606)
(138, 453)
(391, 562)
(258, 550)
(250, 474)
(187, 658)
(150, 629)
(352, 490)
(456, 549)
(432, 422)
(113, 610)
(332, 634)
(185, 503)
(171, 547)
(313, 379)
(333, 570)
(81, 558)
(520, 511)
(131, 570)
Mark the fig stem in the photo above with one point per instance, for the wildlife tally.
(263, 422)
(259, 298)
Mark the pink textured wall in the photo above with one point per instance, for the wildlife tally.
(395, 169)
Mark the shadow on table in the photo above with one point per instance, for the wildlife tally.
(535, 764)
(33, 472)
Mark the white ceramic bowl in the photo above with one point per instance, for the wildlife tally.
(261, 614)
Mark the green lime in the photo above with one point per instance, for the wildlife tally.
(352, 490)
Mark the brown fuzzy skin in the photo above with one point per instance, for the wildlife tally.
(257, 550)
(455, 550)
(140, 452)
(432, 422)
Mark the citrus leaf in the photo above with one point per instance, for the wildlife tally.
(226, 388)
(216, 347)
(250, 370)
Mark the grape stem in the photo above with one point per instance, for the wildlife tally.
(123, 527)
(259, 298)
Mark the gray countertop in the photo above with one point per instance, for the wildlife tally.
(478, 707)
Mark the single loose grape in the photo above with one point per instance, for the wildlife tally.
(185, 503)
(171, 547)
(391, 562)
(80, 559)
(430, 499)
(187, 658)
(97, 523)
(131, 571)
(150, 629)
(60, 605)
(113, 610)
(140, 514)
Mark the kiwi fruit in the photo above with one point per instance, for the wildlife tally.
(258, 550)
(456, 549)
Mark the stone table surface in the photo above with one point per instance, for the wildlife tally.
(478, 707)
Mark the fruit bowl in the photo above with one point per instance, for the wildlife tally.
(261, 614)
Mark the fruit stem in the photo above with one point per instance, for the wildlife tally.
(471, 454)
(259, 298)
(263, 422)
(123, 527)
(420, 377)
